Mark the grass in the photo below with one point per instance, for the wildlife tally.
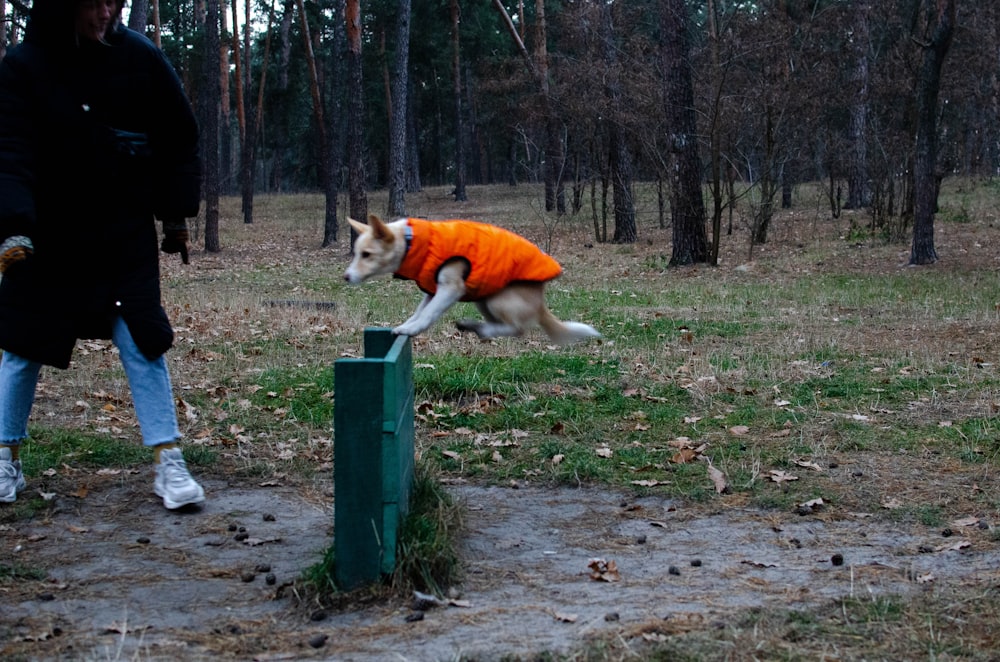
(824, 349)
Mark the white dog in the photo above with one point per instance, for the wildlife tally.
(503, 273)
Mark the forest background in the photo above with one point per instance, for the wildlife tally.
(717, 102)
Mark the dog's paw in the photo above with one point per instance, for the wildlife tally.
(406, 330)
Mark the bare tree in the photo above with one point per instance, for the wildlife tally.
(398, 111)
(939, 26)
(358, 198)
(687, 206)
(858, 187)
(209, 109)
(456, 75)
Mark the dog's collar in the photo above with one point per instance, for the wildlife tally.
(408, 235)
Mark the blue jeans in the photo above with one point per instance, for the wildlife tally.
(148, 380)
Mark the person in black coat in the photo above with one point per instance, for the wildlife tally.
(97, 140)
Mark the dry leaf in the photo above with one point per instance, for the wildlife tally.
(604, 571)
(892, 503)
(684, 456)
(739, 430)
(966, 521)
(557, 459)
(604, 451)
(565, 618)
(718, 479)
(779, 476)
(808, 465)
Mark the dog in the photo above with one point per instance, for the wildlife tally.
(503, 273)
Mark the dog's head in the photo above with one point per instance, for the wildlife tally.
(377, 250)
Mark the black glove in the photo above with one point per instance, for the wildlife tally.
(14, 250)
(175, 239)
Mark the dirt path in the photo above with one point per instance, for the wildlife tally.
(130, 580)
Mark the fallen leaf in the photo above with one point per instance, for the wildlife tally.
(557, 459)
(604, 451)
(718, 479)
(966, 521)
(779, 476)
(809, 465)
(604, 571)
(565, 618)
(955, 546)
(892, 503)
(739, 430)
(684, 456)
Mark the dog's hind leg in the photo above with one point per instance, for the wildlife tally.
(489, 327)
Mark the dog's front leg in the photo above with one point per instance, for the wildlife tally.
(450, 289)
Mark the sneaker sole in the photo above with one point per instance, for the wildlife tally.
(174, 505)
(170, 504)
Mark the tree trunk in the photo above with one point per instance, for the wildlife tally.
(620, 160)
(399, 86)
(210, 128)
(335, 132)
(687, 206)
(456, 77)
(358, 198)
(715, 134)
(940, 17)
(138, 15)
(156, 23)
(225, 133)
(858, 188)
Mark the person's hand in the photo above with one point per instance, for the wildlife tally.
(175, 240)
(13, 251)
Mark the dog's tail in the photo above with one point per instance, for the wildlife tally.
(565, 333)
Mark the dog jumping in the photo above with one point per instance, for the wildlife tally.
(503, 273)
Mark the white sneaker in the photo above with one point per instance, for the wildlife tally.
(11, 477)
(174, 483)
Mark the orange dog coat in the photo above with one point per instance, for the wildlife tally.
(495, 257)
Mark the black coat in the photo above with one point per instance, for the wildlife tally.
(95, 141)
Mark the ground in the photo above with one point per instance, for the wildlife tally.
(546, 569)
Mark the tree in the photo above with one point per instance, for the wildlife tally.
(858, 188)
(335, 130)
(619, 157)
(939, 26)
(686, 203)
(358, 198)
(456, 76)
(209, 108)
(138, 15)
(398, 111)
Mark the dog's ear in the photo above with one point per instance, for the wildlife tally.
(358, 226)
(379, 229)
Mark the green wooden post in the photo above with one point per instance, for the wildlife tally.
(373, 456)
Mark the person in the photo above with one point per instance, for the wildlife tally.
(97, 142)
